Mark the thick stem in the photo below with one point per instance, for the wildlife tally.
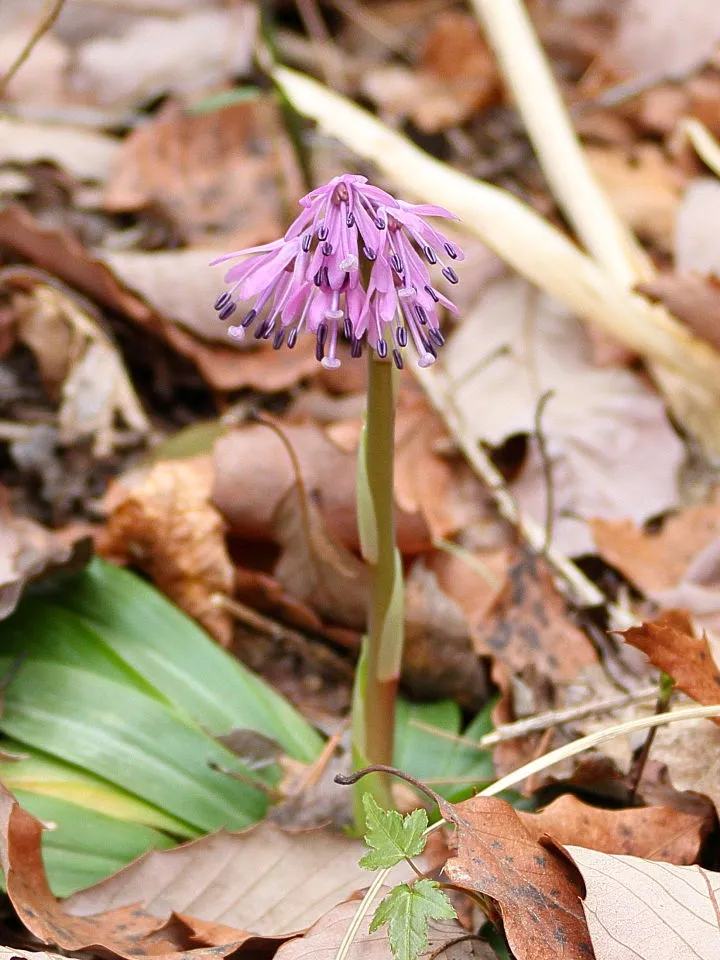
(374, 708)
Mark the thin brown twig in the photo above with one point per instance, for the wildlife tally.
(48, 19)
(322, 41)
(547, 469)
(294, 639)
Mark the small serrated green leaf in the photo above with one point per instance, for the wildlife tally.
(392, 836)
(407, 909)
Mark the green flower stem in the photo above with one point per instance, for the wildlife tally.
(381, 656)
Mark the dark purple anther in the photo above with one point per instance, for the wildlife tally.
(451, 251)
(420, 313)
(327, 249)
(437, 337)
(248, 318)
(350, 220)
(292, 338)
(322, 332)
(450, 274)
(369, 253)
(397, 357)
(279, 337)
(429, 254)
(347, 328)
(307, 242)
(381, 349)
(429, 290)
(401, 336)
(322, 233)
(222, 300)
(396, 263)
(356, 349)
(227, 311)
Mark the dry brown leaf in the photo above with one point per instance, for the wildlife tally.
(262, 890)
(455, 80)
(442, 488)
(163, 522)
(529, 626)
(691, 753)
(63, 256)
(646, 910)
(81, 366)
(691, 298)
(323, 939)
(665, 38)
(180, 51)
(643, 187)
(225, 173)
(689, 660)
(84, 154)
(537, 890)
(612, 449)
(254, 473)
(655, 833)
(658, 561)
(439, 659)
(29, 551)
(316, 569)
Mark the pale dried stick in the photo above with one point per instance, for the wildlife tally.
(531, 245)
(544, 721)
(575, 187)
(528, 74)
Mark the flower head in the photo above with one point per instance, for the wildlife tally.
(353, 264)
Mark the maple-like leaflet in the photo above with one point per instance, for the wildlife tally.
(409, 907)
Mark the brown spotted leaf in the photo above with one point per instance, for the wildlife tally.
(529, 625)
(671, 646)
(655, 833)
(538, 891)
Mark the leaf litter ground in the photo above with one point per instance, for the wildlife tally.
(123, 174)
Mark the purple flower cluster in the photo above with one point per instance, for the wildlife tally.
(353, 264)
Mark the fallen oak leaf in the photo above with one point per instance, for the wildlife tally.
(537, 890)
(670, 645)
(655, 833)
(648, 910)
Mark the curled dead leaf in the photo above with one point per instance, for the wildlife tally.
(162, 521)
(692, 662)
(79, 363)
(656, 833)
